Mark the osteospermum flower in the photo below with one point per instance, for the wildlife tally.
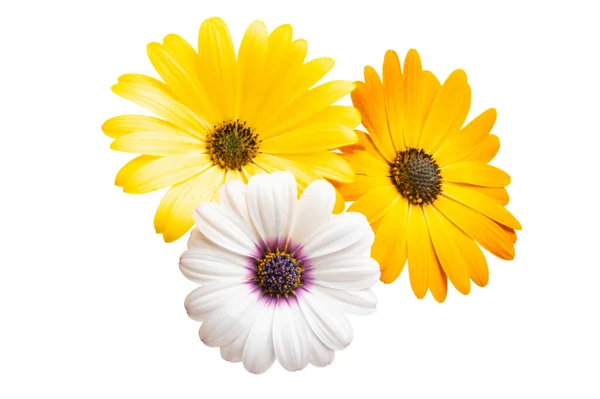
(278, 274)
(225, 118)
(424, 181)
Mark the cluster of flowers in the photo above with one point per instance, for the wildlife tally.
(261, 162)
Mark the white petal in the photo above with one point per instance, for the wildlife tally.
(222, 226)
(197, 240)
(320, 354)
(232, 318)
(290, 331)
(347, 273)
(314, 209)
(362, 302)
(233, 195)
(271, 204)
(327, 322)
(203, 300)
(259, 353)
(338, 233)
(206, 265)
(232, 352)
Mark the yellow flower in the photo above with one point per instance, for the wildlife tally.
(227, 118)
(423, 180)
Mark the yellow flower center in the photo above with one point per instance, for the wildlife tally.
(416, 176)
(232, 145)
(278, 273)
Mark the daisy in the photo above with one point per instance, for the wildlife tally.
(423, 180)
(278, 274)
(224, 117)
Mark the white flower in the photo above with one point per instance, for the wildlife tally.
(278, 274)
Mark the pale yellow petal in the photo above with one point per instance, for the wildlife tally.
(131, 167)
(182, 79)
(364, 163)
(165, 172)
(174, 216)
(321, 135)
(448, 111)
(156, 97)
(217, 67)
(361, 185)
(125, 124)
(158, 143)
(477, 173)
(325, 163)
(251, 72)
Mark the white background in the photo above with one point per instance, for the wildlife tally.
(91, 299)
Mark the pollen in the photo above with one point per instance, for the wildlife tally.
(278, 273)
(232, 144)
(416, 176)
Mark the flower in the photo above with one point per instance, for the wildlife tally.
(227, 118)
(424, 181)
(278, 274)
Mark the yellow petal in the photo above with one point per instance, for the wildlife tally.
(485, 150)
(289, 80)
(392, 89)
(389, 248)
(158, 143)
(322, 135)
(437, 279)
(475, 259)
(448, 252)
(335, 114)
(125, 124)
(372, 120)
(182, 80)
(377, 95)
(174, 216)
(165, 172)
(482, 203)
(303, 173)
(251, 72)
(431, 87)
(448, 111)
(498, 194)
(460, 144)
(482, 229)
(295, 85)
(156, 97)
(420, 253)
(364, 163)
(327, 164)
(364, 143)
(376, 203)
(361, 185)
(217, 67)
(131, 167)
(340, 203)
(307, 105)
(477, 173)
(414, 99)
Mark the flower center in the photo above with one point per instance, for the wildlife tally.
(278, 273)
(232, 145)
(416, 176)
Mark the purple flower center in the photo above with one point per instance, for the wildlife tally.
(278, 273)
